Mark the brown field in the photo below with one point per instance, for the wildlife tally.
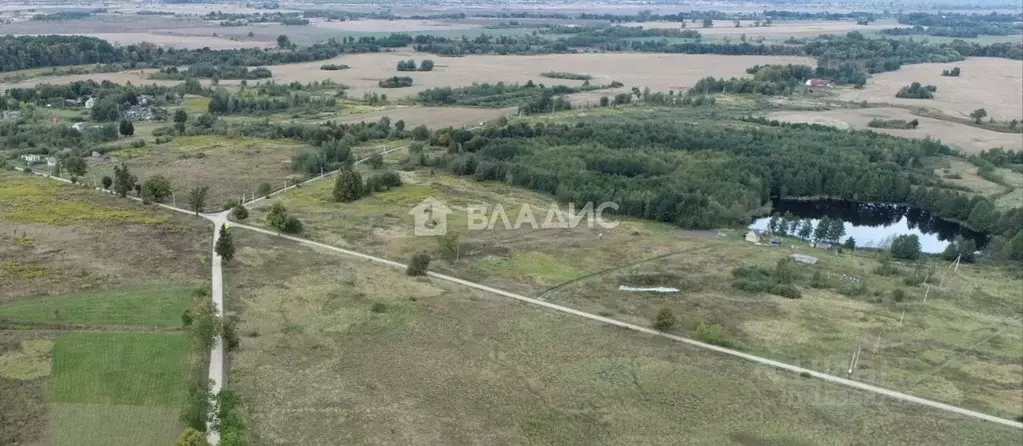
(336, 350)
(136, 77)
(433, 117)
(780, 30)
(993, 84)
(660, 72)
(391, 25)
(967, 138)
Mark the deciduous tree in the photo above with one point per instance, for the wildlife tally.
(197, 198)
(156, 189)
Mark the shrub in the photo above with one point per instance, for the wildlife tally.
(713, 334)
(379, 307)
(333, 67)
(292, 225)
(853, 290)
(240, 212)
(107, 181)
(805, 375)
(788, 291)
(819, 281)
(264, 189)
(752, 285)
(395, 82)
(665, 319)
(898, 295)
(418, 265)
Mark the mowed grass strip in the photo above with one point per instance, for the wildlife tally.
(119, 368)
(159, 306)
(113, 425)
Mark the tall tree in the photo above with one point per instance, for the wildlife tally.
(225, 245)
(836, 231)
(348, 186)
(197, 198)
(978, 114)
(823, 226)
(906, 247)
(75, 166)
(124, 181)
(806, 229)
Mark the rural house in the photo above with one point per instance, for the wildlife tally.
(821, 83)
(754, 236)
(32, 158)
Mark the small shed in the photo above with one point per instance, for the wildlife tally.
(809, 260)
(753, 236)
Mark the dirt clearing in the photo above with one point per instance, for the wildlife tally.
(993, 84)
(782, 30)
(967, 138)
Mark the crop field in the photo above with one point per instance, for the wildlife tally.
(74, 258)
(337, 350)
(229, 166)
(993, 84)
(961, 350)
(661, 72)
(965, 137)
(777, 31)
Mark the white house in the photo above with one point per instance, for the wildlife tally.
(91, 102)
(80, 126)
(32, 158)
(51, 161)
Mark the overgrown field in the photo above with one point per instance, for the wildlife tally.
(961, 347)
(338, 350)
(73, 258)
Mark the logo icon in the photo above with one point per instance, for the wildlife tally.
(430, 217)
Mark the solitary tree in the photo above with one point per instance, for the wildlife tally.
(156, 189)
(240, 212)
(978, 114)
(277, 218)
(124, 181)
(197, 198)
(107, 181)
(225, 245)
(348, 186)
(75, 166)
(126, 128)
(418, 265)
(906, 247)
(376, 161)
(283, 42)
(850, 244)
(180, 118)
(420, 133)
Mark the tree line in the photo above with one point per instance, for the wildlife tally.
(213, 72)
(497, 95)
(222, 103)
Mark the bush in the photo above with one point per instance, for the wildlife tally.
(395, 82)
(819, 281)
(379, 307)
(292, 226)
(713, 334)
(752, 285)
(665, 319)
(107, 181)
(240, 212)
(906, 247)
(898, 295)
(264, 189)
(853, 290)
(788, 291)
(418, 265)
(333, 67)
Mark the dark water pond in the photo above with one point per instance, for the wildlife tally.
(873, 225)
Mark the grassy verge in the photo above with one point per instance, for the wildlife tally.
(160, 306)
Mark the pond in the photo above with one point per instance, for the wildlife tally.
(876, 224)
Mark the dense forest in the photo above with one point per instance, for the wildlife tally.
(714, 174)
(766, 80)
(213, 72)
(958, 25)
(223, 103)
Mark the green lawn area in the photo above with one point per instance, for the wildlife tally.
(113, 424)
(119, 368)
(151, 306)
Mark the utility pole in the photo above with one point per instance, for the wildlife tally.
(901, 318)
(878, 342)
(926, 293)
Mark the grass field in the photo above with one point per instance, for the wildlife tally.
(230, 166)
(59, 240)
(160, 306)
(962, 347)
(119, 368)
(967, 138)
(112, 424)
(439, 364)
